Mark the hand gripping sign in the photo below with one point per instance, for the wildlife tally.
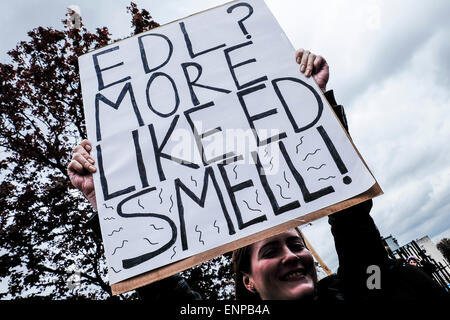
(208, 138)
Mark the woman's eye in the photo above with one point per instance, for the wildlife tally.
(269, 253)
(297, 247)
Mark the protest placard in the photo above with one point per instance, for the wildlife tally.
(207, 138)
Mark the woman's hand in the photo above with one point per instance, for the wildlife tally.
(80, 171)
(317, 66)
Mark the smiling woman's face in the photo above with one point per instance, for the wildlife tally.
(282, 268)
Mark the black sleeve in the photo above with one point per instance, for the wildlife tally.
(174, 287)
(337, 108)
(358, 246)
(356, 237)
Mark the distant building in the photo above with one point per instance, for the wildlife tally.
(430, 258)
(391, 245)
(430, 249)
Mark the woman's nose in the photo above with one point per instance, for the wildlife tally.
(289, 255)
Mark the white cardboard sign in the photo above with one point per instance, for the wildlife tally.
(205, 132)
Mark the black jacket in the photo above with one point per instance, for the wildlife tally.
(359, 246)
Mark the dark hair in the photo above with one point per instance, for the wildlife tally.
(242, 264)
(410, 258)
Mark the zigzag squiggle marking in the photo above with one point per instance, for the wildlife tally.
(285, 179)
(174, 252)
(109, 235)
(218, 229)
(192, 179)
(171, 201)
(161, 200)
(257, 197)
(200, 235)
(323, 164)
(151, 242)
(311, 154)
(115, 270)
(282, 194)
(123, 243)
(301, 141)
(330, 177)
(250, 208)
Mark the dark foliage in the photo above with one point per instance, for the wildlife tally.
(42, 218)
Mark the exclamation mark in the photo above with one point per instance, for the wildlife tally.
(336, 157)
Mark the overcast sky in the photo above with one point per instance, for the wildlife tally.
(389, 64)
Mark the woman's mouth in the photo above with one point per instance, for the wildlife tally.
(294, 275)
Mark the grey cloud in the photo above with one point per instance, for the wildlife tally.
(428, 225)
(412, 211)
(441, 57)
(400, 40)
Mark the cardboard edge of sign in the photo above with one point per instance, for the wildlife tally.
(176, 267)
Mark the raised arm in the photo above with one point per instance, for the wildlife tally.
(356, 237)
(80, 171)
